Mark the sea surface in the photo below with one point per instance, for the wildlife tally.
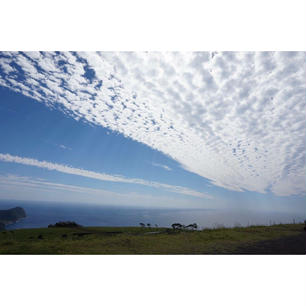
(41, 214)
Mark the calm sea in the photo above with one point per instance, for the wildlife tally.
(42, 214)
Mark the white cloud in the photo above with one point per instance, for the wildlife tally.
(162, 166)
(237, 119)
(99, 176)
(64, 147)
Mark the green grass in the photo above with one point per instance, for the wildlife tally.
(134, 240)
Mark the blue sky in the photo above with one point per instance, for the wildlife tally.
(201, 129)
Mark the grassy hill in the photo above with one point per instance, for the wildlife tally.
(276, 239)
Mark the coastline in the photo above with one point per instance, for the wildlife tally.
(10, 223)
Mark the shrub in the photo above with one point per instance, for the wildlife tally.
(177, 226)
(65, 224)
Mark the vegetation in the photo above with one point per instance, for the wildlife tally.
(141, 240)
(65, 224)
(179, 226)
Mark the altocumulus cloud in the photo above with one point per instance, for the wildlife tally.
(237, 119)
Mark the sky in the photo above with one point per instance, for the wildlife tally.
(155, 129)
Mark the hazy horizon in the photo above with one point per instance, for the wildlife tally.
(41, 214)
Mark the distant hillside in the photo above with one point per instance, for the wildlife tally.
(10, 216)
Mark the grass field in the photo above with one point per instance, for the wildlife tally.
(276, 239)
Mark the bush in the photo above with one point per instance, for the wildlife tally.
(177, 226)
(65, 224)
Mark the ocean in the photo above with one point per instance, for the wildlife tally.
(41, 214)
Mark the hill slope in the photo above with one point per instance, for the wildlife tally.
(277, 239)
